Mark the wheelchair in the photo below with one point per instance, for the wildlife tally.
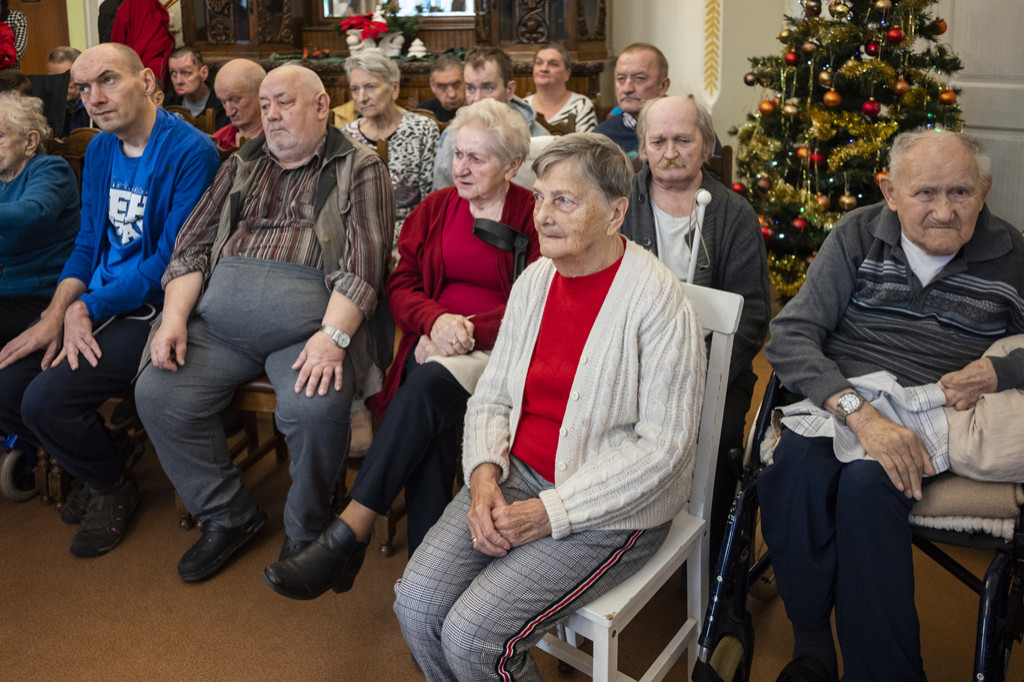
(17, 463)
(743, 570)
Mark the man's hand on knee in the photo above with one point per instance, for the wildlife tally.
(169, 344)
(963, 388)
(895, 447)
(45, 334)
(320, 361)
(78, 337)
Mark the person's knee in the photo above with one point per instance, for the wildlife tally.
(417, 618)
(468, 655)
(865, 492)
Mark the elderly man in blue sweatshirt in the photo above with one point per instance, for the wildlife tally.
(143, 175)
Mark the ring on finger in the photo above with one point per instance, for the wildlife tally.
(474, 540)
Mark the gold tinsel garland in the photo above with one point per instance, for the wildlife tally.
(824, 124)
(875, 70)
(857, 149)
(787, 273)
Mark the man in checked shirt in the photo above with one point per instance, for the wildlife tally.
(276, 272)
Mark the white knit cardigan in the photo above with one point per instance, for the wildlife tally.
(627, 443)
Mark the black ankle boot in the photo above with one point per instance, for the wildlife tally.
(331, 561)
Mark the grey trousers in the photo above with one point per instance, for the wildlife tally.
(469, 616)
(254, 318)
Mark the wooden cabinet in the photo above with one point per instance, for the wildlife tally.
(225, 29)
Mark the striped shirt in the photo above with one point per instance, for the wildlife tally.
(862, 309)
(276, 220)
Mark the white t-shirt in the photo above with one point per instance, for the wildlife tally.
(924, 266)
(672, 233)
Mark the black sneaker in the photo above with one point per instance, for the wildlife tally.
(106, 520)
(74, 507)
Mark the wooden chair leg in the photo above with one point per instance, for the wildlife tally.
(42, 473)
(60, 483)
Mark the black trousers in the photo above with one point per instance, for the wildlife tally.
(417, 448)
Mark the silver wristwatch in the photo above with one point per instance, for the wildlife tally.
(340, 338)
(848, 404)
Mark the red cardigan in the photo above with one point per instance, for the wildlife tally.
(415, 285)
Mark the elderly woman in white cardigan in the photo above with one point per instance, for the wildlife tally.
(579, 441)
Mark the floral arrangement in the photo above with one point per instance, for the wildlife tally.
(365, 23)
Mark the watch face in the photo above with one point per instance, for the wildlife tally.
(850, 402)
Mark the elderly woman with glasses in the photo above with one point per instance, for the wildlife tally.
(412, 139)
(39, 214)
(448, 296)
(579, 440)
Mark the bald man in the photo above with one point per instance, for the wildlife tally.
(143, 175)
(277, 272)
(238, 89)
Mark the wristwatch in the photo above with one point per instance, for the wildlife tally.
(848, 404)
(340, 338)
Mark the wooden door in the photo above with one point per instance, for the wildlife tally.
(47, 29)
(986, 36)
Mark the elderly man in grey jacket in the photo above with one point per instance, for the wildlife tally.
(676, 137)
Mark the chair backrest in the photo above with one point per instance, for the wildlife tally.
(206, 121)
(563, 128)
(720, 167)
(73, 149)
(719, 313)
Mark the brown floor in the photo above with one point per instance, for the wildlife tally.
(127, 616)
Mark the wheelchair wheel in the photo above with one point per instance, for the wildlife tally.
(15, 478)
(729, 660)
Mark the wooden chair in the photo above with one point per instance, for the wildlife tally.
(720, 167)
(687, 543)
(564, 128)
(73, 149)
(205, 121)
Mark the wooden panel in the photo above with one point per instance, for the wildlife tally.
(47, 29)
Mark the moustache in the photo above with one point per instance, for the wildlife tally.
(671, 163)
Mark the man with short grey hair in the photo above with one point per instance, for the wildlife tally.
(919, 287)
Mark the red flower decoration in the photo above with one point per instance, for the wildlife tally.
(370, 28)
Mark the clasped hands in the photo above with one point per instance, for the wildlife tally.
(450, 335)
(496, 526)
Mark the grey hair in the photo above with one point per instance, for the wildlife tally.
(374, 62)
(903, 142)
(443, 63)
(705, 126)
(21, 115)
(511, 136)
(593, 158)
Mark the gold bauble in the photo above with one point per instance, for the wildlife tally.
(901, 87)
(947, 97)
(838, 10)
(847, 202)
(790, 110)
(767, 107)
(883, 5)
(832, 98)
(825, 78)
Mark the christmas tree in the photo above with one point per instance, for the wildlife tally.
(850, 76)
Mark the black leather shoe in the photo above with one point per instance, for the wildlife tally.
(215, 547)
(332, 561)
(804, 668)
(291, 547)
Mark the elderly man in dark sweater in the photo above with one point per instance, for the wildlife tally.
(919, 286)
(677, 136)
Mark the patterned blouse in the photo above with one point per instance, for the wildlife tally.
(586, 117)
(411, 151)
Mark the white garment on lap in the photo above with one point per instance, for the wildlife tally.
(672, 233)
(924, 265)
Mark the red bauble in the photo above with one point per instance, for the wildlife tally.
(792, 58)
(824, 201)
(947, 97)
(739, 188)
(767, 233)
(767, 107)
(895, 35)
(832, 98)
(871, 108)
(940, 25)
(812, 8)
(816, 158)
(872, 48)
(800, 225)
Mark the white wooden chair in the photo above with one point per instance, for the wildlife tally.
(687, 543)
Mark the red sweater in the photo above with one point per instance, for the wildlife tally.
(415, 285)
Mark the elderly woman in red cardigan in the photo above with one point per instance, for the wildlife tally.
(448, 296)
